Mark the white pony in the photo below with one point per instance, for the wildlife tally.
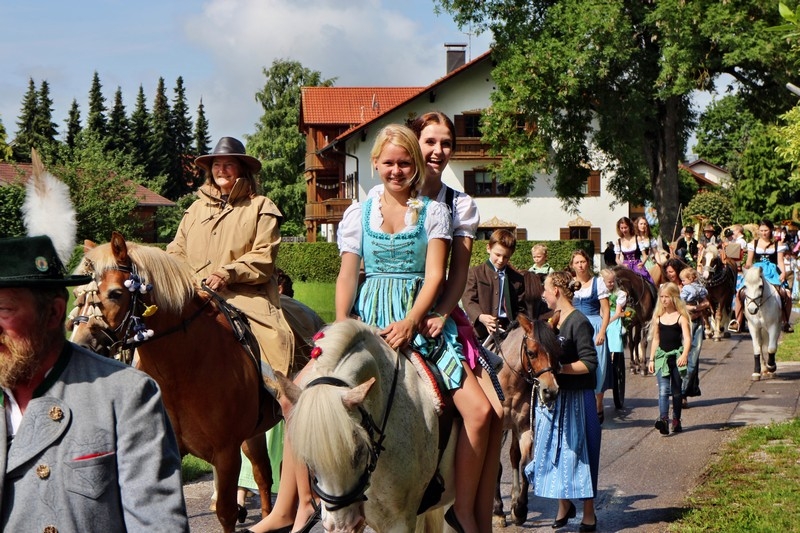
(367, 427)
(762, 304)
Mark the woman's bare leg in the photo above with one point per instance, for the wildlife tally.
(484, 502)
(473, 440)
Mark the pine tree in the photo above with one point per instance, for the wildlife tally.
(161, 141)
(181, 176)
(202, 140)
(26, 125)
(118, 125)
(73, 126)
(140, 132)
(46, 130)
(96, 121)
(202, 143)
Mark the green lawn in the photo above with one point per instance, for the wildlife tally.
(755, 485)
(319, 297)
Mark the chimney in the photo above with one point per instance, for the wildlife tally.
(456, 56)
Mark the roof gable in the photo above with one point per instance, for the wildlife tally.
(349, 106)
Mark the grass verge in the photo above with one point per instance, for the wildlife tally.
(754, 486)
(788, 347)
(193, 468)
(319, 297)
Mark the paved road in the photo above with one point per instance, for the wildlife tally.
(645, 477)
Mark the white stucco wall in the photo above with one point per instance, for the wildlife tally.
(542, 216)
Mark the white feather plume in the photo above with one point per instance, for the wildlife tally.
(48, 210)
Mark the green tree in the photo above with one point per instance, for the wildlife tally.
(278, 143)
(161, 142)
(46, 130)
(96, 121)
(140, 131)
(118, 125)
(710, 207)
(766, 187)
(73, 126)
(625, 66)
(5, 150)
(102, 189)
(181, 174)
(26, 125)
(723, 131)
(202, 143)
(202, 139)
(11, 198)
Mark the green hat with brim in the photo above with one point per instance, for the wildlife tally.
(32, 262)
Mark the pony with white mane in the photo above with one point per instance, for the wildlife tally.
(762, 304)
(367, 426)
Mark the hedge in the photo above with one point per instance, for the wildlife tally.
(319, 261)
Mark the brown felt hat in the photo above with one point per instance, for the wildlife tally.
(229, 146)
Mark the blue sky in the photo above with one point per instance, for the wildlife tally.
(220, 47)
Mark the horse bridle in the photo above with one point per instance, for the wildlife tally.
(124, 335)
(376, 436)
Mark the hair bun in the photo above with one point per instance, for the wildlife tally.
(574, 285)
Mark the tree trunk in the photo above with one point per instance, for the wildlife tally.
(664, 169)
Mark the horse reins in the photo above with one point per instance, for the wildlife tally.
(125, 328)
(376, 436)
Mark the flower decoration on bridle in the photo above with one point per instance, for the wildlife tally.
(135, 284)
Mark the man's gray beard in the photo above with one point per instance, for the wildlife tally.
(23, 361)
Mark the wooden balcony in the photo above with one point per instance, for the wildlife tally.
(327, 211)
(471, 148)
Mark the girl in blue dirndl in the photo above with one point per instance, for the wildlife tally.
(566, 446)
(403, 239)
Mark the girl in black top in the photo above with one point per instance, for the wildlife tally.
(670, 353)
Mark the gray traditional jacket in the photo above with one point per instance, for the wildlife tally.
(94, 452)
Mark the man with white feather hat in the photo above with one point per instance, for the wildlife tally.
(86, 444)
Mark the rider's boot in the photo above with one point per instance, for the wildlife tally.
(756, 368)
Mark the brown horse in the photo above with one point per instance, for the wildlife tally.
(642, 298)
(720, 282)
(531, 353)
(212, 386)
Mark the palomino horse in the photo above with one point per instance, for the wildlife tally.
(530, 353)
(367, 426)
(656, 270)
(211, 386)
(642, 299)
(762, 304)
(720, 282)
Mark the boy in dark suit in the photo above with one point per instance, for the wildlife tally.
(495, 291)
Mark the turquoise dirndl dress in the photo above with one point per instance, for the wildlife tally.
(395, 270)
(590, 307)
(614, 337)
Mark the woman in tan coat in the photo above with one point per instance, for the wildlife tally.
(230, 237)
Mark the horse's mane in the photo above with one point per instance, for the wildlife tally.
(172, 280)
(547, 338)
(323, 433)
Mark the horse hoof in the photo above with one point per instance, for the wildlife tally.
(767, 374)
(755, 377)
(499, 521)
(518, 519)
(717, 339)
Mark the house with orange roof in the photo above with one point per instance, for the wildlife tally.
(340, 127)
(144, 212)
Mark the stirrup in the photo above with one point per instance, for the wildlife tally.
(733, 326)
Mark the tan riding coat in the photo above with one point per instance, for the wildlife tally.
(238, 240)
